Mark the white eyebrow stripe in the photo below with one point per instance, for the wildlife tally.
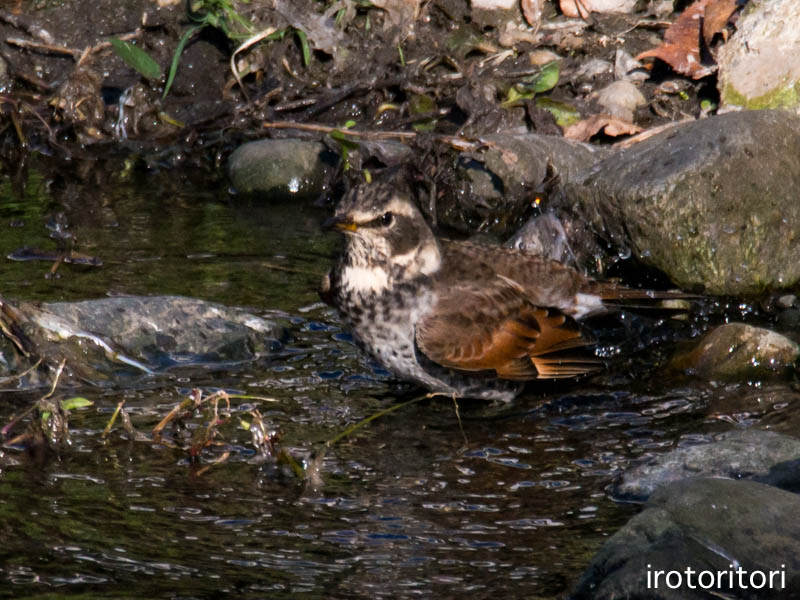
(396, 205)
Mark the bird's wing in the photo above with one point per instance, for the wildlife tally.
(491, 326)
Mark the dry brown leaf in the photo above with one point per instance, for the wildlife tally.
(583, 130)
(681, 47)
(716, 17)
(402, 13)
(532, 11)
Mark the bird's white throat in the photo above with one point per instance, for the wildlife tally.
(372, 279)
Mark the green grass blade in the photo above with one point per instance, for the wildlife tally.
(173, 68)
(137, 58)
(301, 35)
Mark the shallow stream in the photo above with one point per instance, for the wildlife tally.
(510, 502)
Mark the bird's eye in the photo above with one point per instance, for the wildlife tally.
(387, 219)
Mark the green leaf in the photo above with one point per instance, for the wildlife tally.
(173, 68)
(137, 58)
(301, 35)
(421, 104)
(547, 79)
(349, 124)
(75, 402)
(565, 114)
(515, 97)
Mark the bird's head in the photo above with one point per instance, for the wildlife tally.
(384, 228)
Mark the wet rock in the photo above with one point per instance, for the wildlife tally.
(168, 329)
(561, 239)
(764, 456)
(755, 70)
(711, 203)
(738, 351)
(705, 524)
(281, 168)
(101, 340)
(497, 185)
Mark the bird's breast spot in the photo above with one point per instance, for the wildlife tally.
(363, 279)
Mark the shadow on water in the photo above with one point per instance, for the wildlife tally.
(408, 508)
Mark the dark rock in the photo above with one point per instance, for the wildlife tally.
(705, 524)
(281, 168)
(496, 186)
(738, 454)
(738, 351)
(563, 239)
(710, 203)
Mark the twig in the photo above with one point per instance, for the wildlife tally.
(11, 378)
(78, 55)
(458, 143)
(22, 22)
(16, 419)
(369, 419)
(51, 48)
(113, 419)
(55, 380)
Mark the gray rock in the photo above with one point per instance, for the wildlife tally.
(101, 340)
(705, 524)
(158, 329)
(281, 168)
(563, 239)
(738, 351)
(710, 203)
(740, 454)
(498, 183)
(755, 69)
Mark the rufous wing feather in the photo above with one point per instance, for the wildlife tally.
(500, 331)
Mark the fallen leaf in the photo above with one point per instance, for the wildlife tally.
(401, 13)
(532, 11)
(583, 131)
(681, 47)
(715, 18)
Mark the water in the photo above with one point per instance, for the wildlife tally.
(511, 502)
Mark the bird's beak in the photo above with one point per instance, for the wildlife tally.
(341, 223)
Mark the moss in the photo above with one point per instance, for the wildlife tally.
(785, 96)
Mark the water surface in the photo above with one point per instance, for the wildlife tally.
(509, 502)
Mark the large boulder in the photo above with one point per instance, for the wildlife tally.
(711, 203)
(756, 69)
(703, 524)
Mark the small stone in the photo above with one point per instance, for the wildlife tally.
(786, 301)
(738, 351)
(621, 99)
(281, 168)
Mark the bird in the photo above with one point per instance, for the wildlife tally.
(461, 319)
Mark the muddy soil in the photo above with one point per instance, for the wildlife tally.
(436, 68)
